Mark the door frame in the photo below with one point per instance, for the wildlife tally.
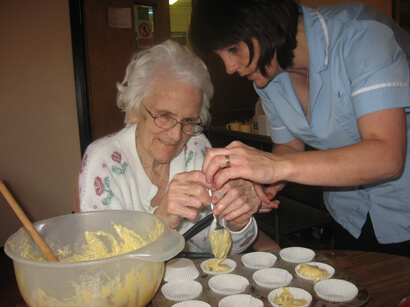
(80, 72)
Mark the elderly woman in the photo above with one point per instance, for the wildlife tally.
(153, 164)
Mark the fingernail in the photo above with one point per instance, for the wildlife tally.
(220, 195)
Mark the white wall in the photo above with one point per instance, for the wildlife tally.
(39, 141)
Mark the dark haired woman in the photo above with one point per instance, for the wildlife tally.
(336, 79)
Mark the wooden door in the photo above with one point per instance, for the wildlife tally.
(108, 52)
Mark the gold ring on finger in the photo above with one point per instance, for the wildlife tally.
(228, 161)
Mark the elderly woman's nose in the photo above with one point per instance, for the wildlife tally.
(175, 132)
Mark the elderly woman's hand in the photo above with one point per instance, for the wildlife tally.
(236, 201)
(187, 194)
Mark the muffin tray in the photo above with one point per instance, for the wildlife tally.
(253, 289)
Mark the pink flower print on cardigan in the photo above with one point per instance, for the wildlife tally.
(116, 157)
(101, 187)
(104, 186)
(204, 151)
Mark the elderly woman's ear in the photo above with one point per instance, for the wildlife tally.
(133, 116)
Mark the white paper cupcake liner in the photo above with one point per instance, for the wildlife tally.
(336, 290)
(258, 260)
(228, 262)
(228, 284)
(297, 293)
(181, 290)
(191, 303)
(297, 254)
(180, 269)
(242, 300)
(323, 266)
(272, 278)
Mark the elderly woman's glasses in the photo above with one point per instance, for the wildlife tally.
(166, 121)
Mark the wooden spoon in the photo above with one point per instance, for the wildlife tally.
(27, 224)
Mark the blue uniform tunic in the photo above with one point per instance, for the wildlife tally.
(359, 63)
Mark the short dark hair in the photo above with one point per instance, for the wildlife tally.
(217, 24)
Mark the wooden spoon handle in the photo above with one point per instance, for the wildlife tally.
(27, 224)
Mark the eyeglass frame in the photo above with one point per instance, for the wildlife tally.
(199, 124)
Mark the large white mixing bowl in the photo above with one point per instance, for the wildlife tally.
(130, 279)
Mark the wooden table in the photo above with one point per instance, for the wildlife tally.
(386, 277)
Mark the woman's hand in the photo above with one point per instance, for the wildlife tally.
(236, 201)
(267, 194)
(244, 162)
(187, 194)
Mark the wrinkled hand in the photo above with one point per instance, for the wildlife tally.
(267, 193)
(187, 194)
(246, 162)
(236, 201)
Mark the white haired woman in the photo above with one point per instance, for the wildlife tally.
(153, 164)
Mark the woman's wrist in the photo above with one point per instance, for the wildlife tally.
(245, 237)
(237, 227)
(284, 167)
